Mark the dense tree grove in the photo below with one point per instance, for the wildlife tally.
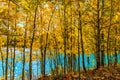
(58, 27)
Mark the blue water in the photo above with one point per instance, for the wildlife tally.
(50, 63)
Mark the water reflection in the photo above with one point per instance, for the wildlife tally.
(36, 67)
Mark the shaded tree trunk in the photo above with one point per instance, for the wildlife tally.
(41, 51)
(102, 49)
(65, 38)
(79, 52)
(24, 47)
(102, 57)
(7, 51)
(14, 56)
(102, 36)
(71, 38)
(115, 63)
(108, 35)
(11, 63)
(98, 35)
(31, 44)
(46, 44)
(81, 36)
(88, 60)
(82, 44)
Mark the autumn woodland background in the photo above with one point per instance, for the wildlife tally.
(63, 33)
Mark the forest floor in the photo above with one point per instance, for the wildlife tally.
(103, 73)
